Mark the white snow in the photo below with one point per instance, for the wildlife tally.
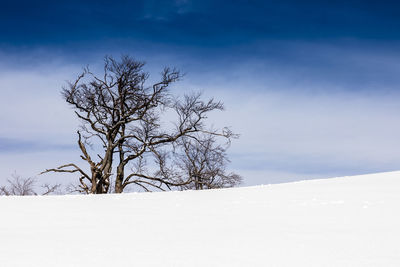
(348, 221)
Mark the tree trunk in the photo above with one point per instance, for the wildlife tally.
(119, 188)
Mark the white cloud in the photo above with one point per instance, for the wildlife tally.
(290, 128)
(309, 134)
(32, 107)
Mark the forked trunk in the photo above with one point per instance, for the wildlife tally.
(119, 179)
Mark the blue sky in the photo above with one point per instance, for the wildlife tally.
(185, 22)
(311, 86)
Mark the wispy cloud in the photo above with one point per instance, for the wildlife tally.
(8, 145)
(304, 110)
(313, 135)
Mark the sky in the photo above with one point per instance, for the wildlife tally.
(312, 87)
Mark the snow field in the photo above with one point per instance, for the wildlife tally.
(348, 221)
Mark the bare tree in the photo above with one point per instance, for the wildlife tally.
(204, 161)
(200, 159)
(125, 115)
(19, 186)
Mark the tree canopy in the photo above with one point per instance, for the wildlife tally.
(122, 112)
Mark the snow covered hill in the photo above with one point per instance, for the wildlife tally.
(348, 221)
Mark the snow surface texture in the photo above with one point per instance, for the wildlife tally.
(349, 221)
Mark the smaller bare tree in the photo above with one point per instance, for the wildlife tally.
(18, 186)
(198, 162)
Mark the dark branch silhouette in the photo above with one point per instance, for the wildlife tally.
(124, 115)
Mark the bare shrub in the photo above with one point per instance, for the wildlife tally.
(18, 186)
